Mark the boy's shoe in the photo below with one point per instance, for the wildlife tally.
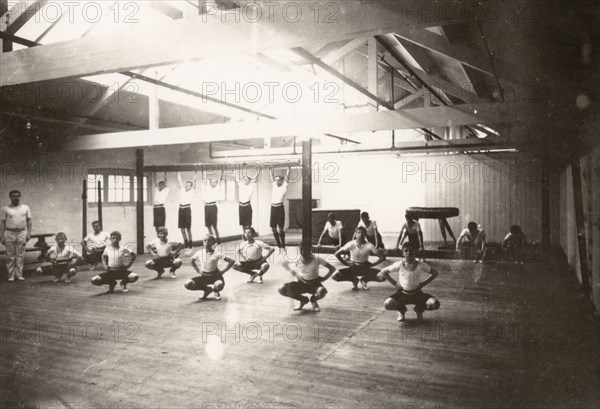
(363, 283)
(260, 280)
(111, 288)
(68, 279)
(252, 277)
(11, 279)
(400, 317)
(21, 278)
(124, 288)
(217, 295)
(56, 280)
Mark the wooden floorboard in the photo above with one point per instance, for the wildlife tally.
(506, 336)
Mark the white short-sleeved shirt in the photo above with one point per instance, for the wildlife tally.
(245, 191)
(278, 192)
(360, 254)
(370, 229)
(186, 197)
(473, 238)
(116, 257)
(308, 271)
(15, 217)
(209, 262)
(97, 241)
(162, 249)
(253, 251)
(160, 196)
(334, 231)
(410, 280)
(66, 253)
(211, 194)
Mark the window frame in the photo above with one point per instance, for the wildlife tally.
(106, 173)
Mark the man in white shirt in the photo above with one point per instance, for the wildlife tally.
(308, 280)
(278, 191)
(333, 228)
(252, 261)
(15, 232)
(359, 268)
(161, 192)
(245, 191)
(93, 245)
(212, 192)
(412, 277)
(184, 221)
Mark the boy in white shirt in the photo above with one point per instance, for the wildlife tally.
(277, 221)
(308, 280)
(116, 260)
(252, 261)
(212, 190)
(359, 265)
(164, 254)
(161, 192)
(63, 258)
(245, 191)
(334, 230)
(211, 277)
(370, 226)
(184, 219)
(473, 240)
(412, 277)
(94, 244)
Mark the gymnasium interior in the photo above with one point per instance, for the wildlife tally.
(377, 106)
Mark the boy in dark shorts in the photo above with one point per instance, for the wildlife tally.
(412, 277)
(116, 260)
(164, 254)
(211, 278)
(252, 261)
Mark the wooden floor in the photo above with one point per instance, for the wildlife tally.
(506, 336)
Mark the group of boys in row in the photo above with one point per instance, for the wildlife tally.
(15, 221)
(211, 195)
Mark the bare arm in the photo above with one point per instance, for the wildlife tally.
(459, 240)
(339, 253)
(230, 262)
(179, 180)
(330, 268)
(29, 227)
(195, 266)
(133, 256)
(385, 273)
(271, 251)
(380, 257)
(322, 234)
(433, 274)
(287, 175)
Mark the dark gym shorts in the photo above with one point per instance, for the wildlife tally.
(405, 298)
(245, 211)
(252, 265)
(210, 214)
(160, 216)
(277, 216)
(94, 256)
(185, 217)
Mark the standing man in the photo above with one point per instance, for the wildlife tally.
(245, 191)
(280, 185)
(15, 232)
(212, 192)
(184, 221)
(161, 192)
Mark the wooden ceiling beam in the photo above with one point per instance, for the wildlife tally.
(197, 37)
(439, 116)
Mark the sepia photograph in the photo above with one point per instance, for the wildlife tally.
(300, 204)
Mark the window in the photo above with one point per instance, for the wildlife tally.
(115, 187)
